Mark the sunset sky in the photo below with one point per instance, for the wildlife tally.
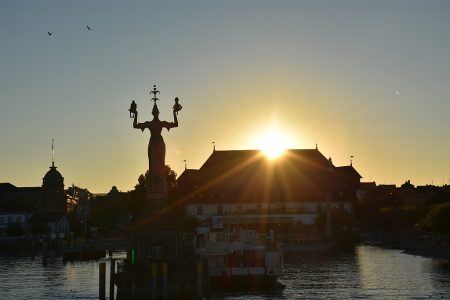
(364, 78)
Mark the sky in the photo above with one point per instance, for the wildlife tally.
(368, 79)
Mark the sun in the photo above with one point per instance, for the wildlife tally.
(273, 143)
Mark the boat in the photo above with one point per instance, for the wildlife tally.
(240, 261)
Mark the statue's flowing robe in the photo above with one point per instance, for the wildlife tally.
(156, 157)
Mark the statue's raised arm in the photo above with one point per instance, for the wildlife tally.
(137, 125)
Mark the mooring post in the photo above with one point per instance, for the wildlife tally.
(165, 287)
(199, 279)
(207, 279)
(154, 280)
(102, 281)
(111, 279)
(44, 253)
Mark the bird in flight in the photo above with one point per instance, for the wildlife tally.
(49, 33)
(89, 28)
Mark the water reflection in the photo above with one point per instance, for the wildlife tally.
(365, 273)
(393, 274)
(326, 276)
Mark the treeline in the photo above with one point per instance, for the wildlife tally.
(114, 212)
(433, 216)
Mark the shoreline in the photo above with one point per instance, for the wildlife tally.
(411, 242)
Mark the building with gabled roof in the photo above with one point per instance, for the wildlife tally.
(246, 181)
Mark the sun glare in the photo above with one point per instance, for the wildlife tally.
(273, 143)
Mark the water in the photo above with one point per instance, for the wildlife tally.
(366, 273)
(22, 277)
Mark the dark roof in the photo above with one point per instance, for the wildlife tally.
(367, 185)
(188, 175)
(53, 175)
(348, 171)
(23, 194)
(16, 206)
(46, 217)
(6, 187)
(251, 172)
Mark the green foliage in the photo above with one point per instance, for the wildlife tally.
(341, 218)
(438, 219)
(400, 217)
(171, 177)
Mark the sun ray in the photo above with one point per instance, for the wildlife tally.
(273, 142)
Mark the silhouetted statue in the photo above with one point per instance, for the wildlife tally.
(157, 187)
(132, 109)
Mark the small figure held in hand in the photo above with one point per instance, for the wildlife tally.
(177, 107)
(132, 109)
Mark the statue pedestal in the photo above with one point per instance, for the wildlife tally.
(156, 202)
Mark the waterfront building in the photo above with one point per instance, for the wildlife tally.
(14, 223)
(48, 197)
(243, 188)
(19, 204)
(55, 225)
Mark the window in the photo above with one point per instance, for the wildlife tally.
(239, 208)
(19, 219)
(1, 220)
(220, 209)
(10, 220)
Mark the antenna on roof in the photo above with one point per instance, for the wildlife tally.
(53, 154)
(214, 146)
(317, 148)
(351, 160)
(185, 164)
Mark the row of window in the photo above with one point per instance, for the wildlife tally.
(320, 208)
(11, 220)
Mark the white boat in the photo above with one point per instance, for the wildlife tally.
(242, 260)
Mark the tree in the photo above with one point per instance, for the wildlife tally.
(143, 179)
(138, 202)
(438, 219)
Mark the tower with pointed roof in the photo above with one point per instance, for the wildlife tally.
(54, 197)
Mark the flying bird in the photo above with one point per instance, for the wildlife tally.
(89, 28)
(49, 33)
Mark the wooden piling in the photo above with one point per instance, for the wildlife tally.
(154, 281)
(199, 279)
(111, 279)
(165, 281)
(102, 281)
(44, 253)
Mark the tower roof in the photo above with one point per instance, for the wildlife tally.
(53, 175)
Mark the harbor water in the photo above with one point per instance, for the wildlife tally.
(364, 273)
